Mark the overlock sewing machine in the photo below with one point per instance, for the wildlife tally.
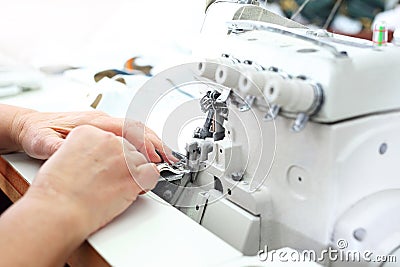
(294, 137)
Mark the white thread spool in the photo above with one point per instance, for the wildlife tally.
(292, 95)
(228, 75)
(207, 67)
(252, 82)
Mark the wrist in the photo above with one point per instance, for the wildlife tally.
(10, 127)
(66, 215)
(45, 229)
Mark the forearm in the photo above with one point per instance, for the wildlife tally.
(38, 232)
(8, 127)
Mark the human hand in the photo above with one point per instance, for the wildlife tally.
(41, 134)
(90, 176)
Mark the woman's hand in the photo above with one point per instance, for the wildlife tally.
(95, 176)
(41, 134)
(84, 185)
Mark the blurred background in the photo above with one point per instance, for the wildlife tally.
(44, 32)
(95, 32)
(46, 44)
(350, 17)
(101, 33)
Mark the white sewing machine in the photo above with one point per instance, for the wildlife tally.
(298, 141)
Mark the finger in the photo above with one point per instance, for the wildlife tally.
(63, 131)
(45, 146)
(128, 147)
(110, 124)
(135, 159)
(151, 153)
(100, 120)
(146, 141)
(53, 143)
(166, 153)
(163, 149)
(135, 134)
(146, 176)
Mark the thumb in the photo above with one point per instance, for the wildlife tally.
(146, 176)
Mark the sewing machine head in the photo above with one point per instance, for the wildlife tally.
(297, 141)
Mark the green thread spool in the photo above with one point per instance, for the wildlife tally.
(380, 34)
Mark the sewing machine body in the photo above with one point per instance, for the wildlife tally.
(334, 178)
